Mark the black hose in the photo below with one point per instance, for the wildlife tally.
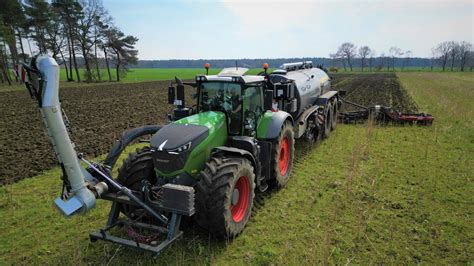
(128, 137)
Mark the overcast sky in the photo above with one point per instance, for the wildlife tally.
(170, 29)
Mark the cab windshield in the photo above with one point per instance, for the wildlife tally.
(225, 97)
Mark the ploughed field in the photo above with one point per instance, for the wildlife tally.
(99, 114)
(369, 89)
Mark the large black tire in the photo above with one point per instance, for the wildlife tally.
(283, 154)
(334, 115)
(224, 196)
(327, 120)
(137, 167)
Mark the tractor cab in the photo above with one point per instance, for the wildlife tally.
(238, 96)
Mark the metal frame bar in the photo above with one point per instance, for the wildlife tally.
(172, 231)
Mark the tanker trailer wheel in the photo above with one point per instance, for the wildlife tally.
(137, 166)
(334, 115)
(224, 196)
(283, 155)
(328, 120)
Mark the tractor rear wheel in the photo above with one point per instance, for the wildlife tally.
(283, 154)
(334, 115)
(328, 120)
(137, 166)
(224, 196)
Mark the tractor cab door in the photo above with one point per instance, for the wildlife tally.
(224, 97)
(252, 108)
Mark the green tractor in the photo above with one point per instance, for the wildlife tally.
(207, 163)
(236, 142)
(228, 147)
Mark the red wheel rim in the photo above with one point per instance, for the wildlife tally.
(284, 160)
(239, 208)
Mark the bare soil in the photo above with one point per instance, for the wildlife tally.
(374, 89)
(98, 116)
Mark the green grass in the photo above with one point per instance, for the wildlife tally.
(151, 74)
(367, 195)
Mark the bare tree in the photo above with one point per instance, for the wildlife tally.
(464, 49)
(348, 51)
(364, 52)
(84, 32)
(442, 51)
(453, 52)
(394, 52)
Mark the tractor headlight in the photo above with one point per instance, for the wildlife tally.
(181, 149)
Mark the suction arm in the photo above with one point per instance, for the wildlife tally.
(47, 84)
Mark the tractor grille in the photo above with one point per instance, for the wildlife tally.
(169, 162)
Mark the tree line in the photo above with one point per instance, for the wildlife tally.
(80, 35)
(276, 62)
(457, 54)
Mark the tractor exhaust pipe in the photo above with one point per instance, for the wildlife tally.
(44, 86)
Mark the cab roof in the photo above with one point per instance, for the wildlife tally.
(232, 74)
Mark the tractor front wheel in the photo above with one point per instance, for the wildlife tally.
(283, 154)
(224, 196)
(137, 166)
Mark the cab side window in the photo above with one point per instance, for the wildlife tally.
(253, 104)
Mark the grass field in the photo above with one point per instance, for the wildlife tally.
(367, 195)
(151, 74)
(135, 75)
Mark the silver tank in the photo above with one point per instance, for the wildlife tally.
(309, 84)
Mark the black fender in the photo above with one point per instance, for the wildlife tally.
(224, 150)
(278, 119)
(235, 151)
(126, 138)
(324, 99)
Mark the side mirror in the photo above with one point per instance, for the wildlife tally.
(179, 93)
(180, 96)
(171, 94)
(268, 100)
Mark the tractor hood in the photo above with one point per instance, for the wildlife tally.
(179, 137)
(180, 146)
